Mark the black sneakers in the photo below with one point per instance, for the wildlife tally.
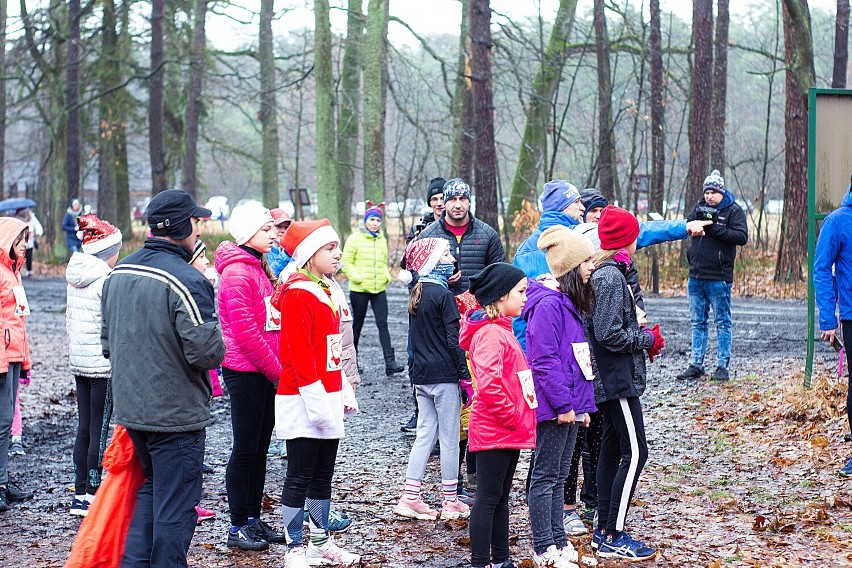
(247, 538)
(16, 494)
(393, 367)
(4, 500)
(268, 533)
(411, 425)
(720, 374)
(692, 372)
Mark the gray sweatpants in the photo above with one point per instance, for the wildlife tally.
(438, 417)
(8, 392)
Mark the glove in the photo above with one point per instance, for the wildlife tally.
(26, 377)
(466, 391)
(657, 342)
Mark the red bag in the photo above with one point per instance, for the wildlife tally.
(102, 535)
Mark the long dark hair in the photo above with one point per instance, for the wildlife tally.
(414, 298)
(581, 294)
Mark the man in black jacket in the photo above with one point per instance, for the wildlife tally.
(161, 333)
(711, 273)
(435, 200)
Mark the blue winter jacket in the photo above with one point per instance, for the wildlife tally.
(533, 261)
(834, 248)
(277, 258)
(553, 326)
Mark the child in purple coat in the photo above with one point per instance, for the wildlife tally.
(558, 356)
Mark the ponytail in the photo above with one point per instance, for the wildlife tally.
(414, 298)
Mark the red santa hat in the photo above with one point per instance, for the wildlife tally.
(421, 256)
(99, 238)
(304, 238)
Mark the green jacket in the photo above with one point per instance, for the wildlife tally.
(365, 262)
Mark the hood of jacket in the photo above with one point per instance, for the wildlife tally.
(476, 320)
(83, 269)
(728, 200)
(10, 228)
(536, 292)
(847, 199)
(555, 219)
(229, 253)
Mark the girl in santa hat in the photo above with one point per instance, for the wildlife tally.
(438, 370)
(313, 394)
(250, 369)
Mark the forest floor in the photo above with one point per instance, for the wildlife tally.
(741, 474)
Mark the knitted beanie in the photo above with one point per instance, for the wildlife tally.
(564, 249)
(436, 186)
(246, 220)
(304, 238)
(558, 194)
(495, 281)
(456, 187)
(99, 238)
(199, 251)
(617, 228)
(373, 210)
(591, 198)
(590, 231)
(421, 256)
(714, 182)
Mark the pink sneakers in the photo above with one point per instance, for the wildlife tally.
(454, 510)
(415, 509)
(204, 514)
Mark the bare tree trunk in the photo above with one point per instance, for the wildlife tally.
(122, 174)
(485, 152)
(539, 117)
(702, 95)
(4, 9)
(156, 100)
(462, 106)
(73, 133)
(375, 99)
(193, 107)
(841, 45)
(720, 88)
(326, 163)
(109, 75)
(606, 137)
(347, 126)
(658, 134)
(268, 106)
(800, 76)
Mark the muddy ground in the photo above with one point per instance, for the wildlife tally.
(738, 475)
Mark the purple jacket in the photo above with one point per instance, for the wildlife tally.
(553, 325)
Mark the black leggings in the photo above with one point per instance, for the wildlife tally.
(489, 518)
(619, 467)
(94, 408)
(847, 342)
(589, 447)
(310, 467)
(252, 421)
(379, 303)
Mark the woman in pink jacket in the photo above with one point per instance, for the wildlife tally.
(250, 329)
(502, 419)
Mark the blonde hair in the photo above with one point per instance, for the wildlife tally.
(492, 311)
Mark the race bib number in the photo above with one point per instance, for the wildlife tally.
(273, 316)
(584, 359)
(334, 352)
(22, 306)
(528, 388)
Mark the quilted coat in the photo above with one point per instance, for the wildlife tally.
(365, 262)
(85, 276)
(17, 347)
(243, 287)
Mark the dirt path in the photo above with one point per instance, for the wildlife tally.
(740, 475)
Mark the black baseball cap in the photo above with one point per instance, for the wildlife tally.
(172, 207)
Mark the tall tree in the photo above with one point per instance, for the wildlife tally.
(350, 98)
(3, 11)
(841, 45)
(485, 152)
(375, 99)
(720, 88)
(193, 107)
(658, 134)
(268, 106)
(156, 99)
(73, 130)
(109, 115)
(800, 76)
(702, 95)
(326, 163)
(462, 106)
(539, 116)
(607, 177)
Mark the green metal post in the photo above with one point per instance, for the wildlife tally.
(809, 358)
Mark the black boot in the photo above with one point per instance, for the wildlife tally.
(391, 365)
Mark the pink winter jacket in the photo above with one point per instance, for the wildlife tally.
(242, 312)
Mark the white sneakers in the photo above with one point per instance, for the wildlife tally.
(556, 558)
(329, 554)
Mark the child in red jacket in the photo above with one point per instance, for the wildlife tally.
(502, 420)
(312, 394)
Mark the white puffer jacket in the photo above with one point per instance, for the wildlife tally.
(85, 276)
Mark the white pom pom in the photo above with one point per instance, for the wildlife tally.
(405, 276)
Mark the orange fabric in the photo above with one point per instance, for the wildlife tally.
(100, 540)
(17, 349)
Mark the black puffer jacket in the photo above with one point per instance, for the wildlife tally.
(479, 246)
(712, 256)
(617, 343)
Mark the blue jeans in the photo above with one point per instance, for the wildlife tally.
(704, 294)
(164, 519)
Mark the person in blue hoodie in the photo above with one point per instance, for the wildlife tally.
(711, 274)
(835, 287)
